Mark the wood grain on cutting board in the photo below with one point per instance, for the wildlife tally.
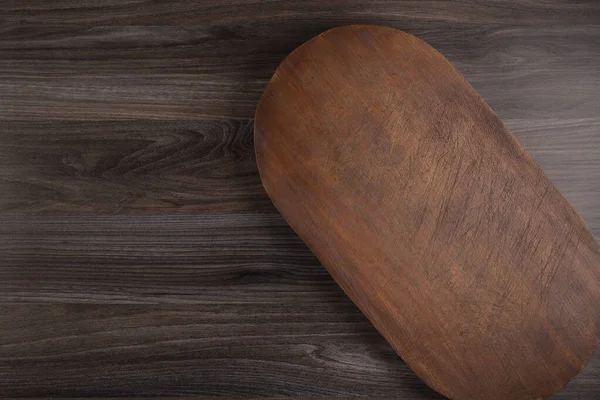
(430, 214)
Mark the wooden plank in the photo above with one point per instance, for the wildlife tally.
(129, 166)
(252, 258)
(209, 166)
(232, 350)
(226, 12)
(228, 350)
(213, 71)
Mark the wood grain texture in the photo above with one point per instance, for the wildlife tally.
(250, 258)
(148, 12)
(200, 166)
(248, 311)
(182, 305)
(104, 108)
(430, 214)
(271, 349)
(219, 71)
(126, 166)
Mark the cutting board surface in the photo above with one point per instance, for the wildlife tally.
(429, 214)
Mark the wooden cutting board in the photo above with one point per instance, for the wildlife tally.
(430, 214)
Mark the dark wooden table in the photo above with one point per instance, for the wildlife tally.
(139, 254)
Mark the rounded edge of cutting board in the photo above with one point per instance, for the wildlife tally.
(542, 394)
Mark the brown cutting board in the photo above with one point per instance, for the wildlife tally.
(430, 214)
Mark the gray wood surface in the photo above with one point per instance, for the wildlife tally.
(139, 254)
